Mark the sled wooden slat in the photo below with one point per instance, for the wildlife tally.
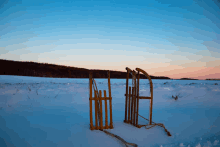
(106, 111)
(142, 97)
(132, 97)
(97, 99)
(126, 99)
(96, 109)
(129, 105)
(110, 101)
(100, 103)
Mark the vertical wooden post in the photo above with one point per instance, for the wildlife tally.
(134, 111)
(110, 100)
(151, 102)
(126, 97)
(151, 90)
(129, 104)
(100, 103)
(132, 105)
(137, 99)
(90, 100)
(106, 111)
(96, 110)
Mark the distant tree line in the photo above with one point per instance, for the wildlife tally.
(212, 79)
(21, 68)
(188, 79)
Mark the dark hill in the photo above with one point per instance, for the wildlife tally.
(187, 79)
(21, 68)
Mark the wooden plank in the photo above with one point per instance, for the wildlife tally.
(100, 103)
(129, 104)
(106, 111)
(96, 109)
(143, 97)
(90, 101)
(151, 107)
(110, 101)
(132, 104)
(128, 69)
(137, 99)
(126, 97)
(151, 90)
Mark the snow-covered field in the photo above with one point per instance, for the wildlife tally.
(54, 112)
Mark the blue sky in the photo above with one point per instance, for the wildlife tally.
(166, 38)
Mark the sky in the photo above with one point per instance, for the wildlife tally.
(177, 39)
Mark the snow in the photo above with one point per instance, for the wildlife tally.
(55, 112)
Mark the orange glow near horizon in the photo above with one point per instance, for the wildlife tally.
(153, 69)
(171, 71)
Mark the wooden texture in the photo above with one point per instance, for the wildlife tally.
(134, 98)
(90, 101)
(128, 69)
(96, 110)
(106, 111)
(129, 105)
(126, 98)
(132, 104)
(137, 99)
(100, 103)
(151, 90)
(110, 101)
(143, 97)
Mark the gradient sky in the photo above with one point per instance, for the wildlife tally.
(164, 37)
